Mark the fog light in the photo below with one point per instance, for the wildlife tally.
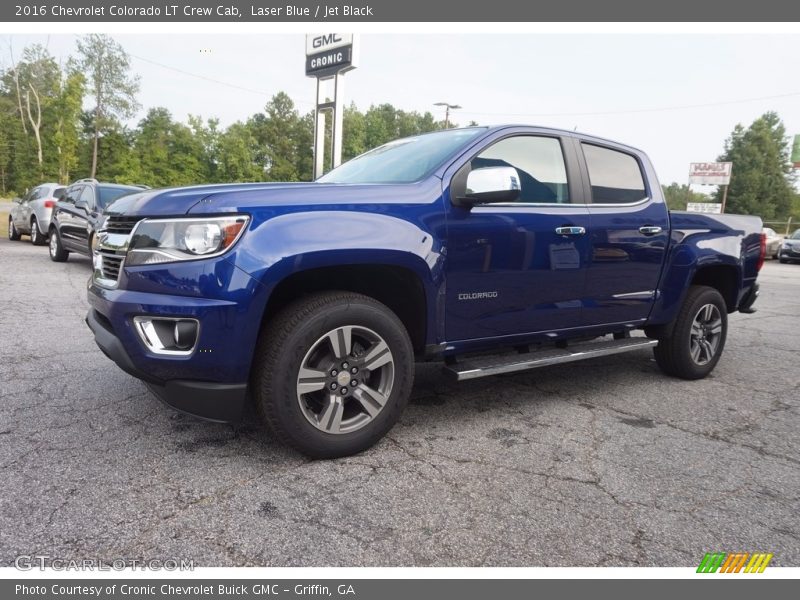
(166, 335)
(185, 334)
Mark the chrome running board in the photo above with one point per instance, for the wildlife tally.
(483, 366)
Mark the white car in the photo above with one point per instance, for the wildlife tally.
(31, 215)
(773, 242)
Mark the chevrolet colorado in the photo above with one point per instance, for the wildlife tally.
(493, 250)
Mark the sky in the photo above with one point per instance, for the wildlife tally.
(675, 96)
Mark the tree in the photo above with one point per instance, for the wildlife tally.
(238, 156)
(107, 66)
(762, 179)
(68, 111)
(678, 195)
(283, 139)
(36, 79)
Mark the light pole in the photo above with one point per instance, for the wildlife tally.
(447, 106)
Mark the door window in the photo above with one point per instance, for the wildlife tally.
(539, 161)
(73, 194)
(88, 196)
(615, 177)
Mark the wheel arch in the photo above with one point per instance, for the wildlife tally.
(398, 286)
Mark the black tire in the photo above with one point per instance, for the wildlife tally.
(285, 344)
(13, 234)
(674, 355)
(56, 248)
(37, 237)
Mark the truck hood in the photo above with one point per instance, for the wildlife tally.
(246, 197)
(174, 202)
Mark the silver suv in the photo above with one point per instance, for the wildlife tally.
(31, 215)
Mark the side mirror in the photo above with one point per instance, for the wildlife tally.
(492, 184)
(82, 204)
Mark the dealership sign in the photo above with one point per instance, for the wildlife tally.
(710, 173)
(704, 207)
(329, 53)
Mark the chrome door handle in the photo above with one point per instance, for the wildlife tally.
(650, 230)
(570, 230)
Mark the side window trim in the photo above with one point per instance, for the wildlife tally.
(648, 194)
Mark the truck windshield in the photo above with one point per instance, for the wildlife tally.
(403, 161)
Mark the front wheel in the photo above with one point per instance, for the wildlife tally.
(13, 234)
(57, 251)
(333, 373)
(698, 335)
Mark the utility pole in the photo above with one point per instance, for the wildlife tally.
(447, 109)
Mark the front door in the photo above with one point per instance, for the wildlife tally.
(518, 267)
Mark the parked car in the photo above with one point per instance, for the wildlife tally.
(31, 215)
(773, 241)
(790, 248)
(474, 247)
(77, 215)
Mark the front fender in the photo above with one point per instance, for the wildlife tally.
(291, 243)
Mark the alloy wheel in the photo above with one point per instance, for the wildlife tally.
(706, 334)
(345, 379)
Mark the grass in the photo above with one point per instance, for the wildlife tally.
(5, 208)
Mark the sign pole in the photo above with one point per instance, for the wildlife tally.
(338, 120)
(319, 135)
(724, 197)
(328, 57)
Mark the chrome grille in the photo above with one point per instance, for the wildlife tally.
(123, 225)
(111, 265)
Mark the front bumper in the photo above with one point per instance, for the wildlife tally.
(791, 253)
(222, 402)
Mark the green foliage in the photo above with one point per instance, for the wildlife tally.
(678, 195)
(762, 177)
(107, 68)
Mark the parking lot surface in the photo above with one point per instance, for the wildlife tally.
(603, 462)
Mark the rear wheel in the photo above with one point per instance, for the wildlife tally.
(13, 234)
(333, 373)
(698, 335)
(57, 251)
(37, 239)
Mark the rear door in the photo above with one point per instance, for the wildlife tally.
(24, 214)
(629, 231)
(509, 270)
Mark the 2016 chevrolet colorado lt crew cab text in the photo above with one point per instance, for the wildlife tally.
(491, 249)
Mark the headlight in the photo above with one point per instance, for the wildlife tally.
(158, 241)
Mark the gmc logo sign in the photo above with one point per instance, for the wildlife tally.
(324, 40)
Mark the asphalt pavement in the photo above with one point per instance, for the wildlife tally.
(602, 462)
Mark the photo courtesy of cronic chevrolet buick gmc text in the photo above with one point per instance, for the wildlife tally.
(77, 213)
(493, 250)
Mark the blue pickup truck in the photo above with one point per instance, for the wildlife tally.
(492, 250)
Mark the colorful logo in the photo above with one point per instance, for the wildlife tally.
(734, 562)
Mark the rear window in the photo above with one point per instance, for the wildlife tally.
(109, 193)
(59, 192)
(615, 177)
